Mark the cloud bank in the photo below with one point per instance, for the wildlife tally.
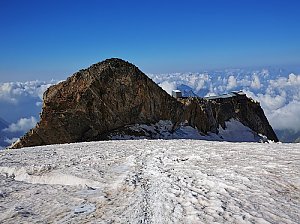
(22, 99)
(286, 117)
(20, 105)
(168, 86)
(15, 92)
(22, 125)
(278, 93)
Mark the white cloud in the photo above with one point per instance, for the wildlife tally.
(23, 125)
(21, 99)
(15, 92)
(255, 84)
(271, 102)
(286, 117)
(294, 79)
(232, 83)
(168, 86)
(200, 84)
(244, 82)
(7, 93)
(278, 94)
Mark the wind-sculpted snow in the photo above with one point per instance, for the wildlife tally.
(158, 181)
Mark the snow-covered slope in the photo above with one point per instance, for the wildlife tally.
(235, 131)
(157, 181)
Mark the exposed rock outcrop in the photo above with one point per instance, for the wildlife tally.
(112, 94)
(208, 114)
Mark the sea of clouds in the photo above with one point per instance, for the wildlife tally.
(20, 105)
(278, 92)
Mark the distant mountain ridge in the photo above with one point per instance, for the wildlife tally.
(114, 93)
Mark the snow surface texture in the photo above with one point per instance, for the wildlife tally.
(235, 131)
(157, 181)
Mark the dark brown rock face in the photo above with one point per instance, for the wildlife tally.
(112, 94)
(104, 97)
(208, 114)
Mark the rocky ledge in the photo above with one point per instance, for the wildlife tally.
(110, 95)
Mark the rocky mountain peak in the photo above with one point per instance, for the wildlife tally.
(114, 93)
(106, 96)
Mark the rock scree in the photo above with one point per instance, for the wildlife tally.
(114, 93)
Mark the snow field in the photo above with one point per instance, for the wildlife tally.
(157, 181)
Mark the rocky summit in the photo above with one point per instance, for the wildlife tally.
(110, 95)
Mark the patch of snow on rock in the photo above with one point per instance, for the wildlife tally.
(234, 131)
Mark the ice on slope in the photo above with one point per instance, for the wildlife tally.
(158, 181)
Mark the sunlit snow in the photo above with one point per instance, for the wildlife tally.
(157, 181)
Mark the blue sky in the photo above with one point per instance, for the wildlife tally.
(53, 39)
